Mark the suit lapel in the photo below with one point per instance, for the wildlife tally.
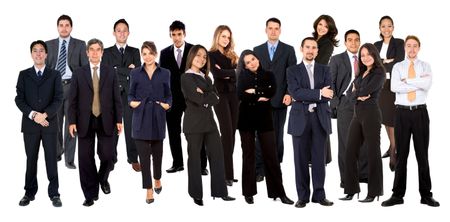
(33, 75)
(88, 76)
(278, 51)
(305, 75)
(70, 50)
(103, 76)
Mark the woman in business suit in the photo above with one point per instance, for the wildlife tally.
(391, 51)
(255, 88)
(223, 67)
(200, 128)
(365, 125)
(149, 97)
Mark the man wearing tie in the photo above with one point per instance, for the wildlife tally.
(309, 122)
(410, 81)
(39, 96)
(95, 110)
(123, 58)
(66, 54)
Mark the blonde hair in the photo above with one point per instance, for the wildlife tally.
(229, 49)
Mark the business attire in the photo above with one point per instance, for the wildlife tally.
(39, 91)
(149, 118)
(120, 58)
(91, 123)
(227, 108)
(275, 58)
(66, 55)
(365, 129)
(309, 124)
(343, 69)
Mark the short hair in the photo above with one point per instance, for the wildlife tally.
(273, 19)
(64, 17)
(38, 42)
(383, 18)
(413, 37)
(123, 21)
(351, 31)
(177, 25)
(94, 41)
(150, 45)
(191, 55)
(308, 38)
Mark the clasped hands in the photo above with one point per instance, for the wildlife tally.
(253, 91)
(327, 92)
(134, 104)
(40, 118)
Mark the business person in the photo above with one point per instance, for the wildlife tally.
(344, 68)
(391, 51)
(309, 122)
(150, 97)
(365, 125)
(411, 80)
(255, 89)
(174, 58)
(275, 56)
(39, 96)
(200, 128)
(95, 110)
(66, 54)
(123, 58)
(223, 67)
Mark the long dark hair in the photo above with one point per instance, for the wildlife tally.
(332, 29)
(241, 63)
(192, 53)
(373, 52)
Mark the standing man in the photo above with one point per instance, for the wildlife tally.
(275, 56)
(66, 54)
(123, 58)
(309, 122)
(410, 81)
(344, 68)
(95, 110)
(39, 96)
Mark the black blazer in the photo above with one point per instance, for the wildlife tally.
(341, 75)
(198, 116)
(283, 58)
(326, 49)
(42, 94)
(113, 58)
(81, 96)
(396, 51)
(76, 53)
(369, 85)
(221, 82)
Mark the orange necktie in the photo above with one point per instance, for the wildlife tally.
(411, 75)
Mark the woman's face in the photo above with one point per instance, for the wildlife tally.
(148, 56)
(251, 62)
(322, 28)
(224, 38)
(366, 58)
(200, 59)
(386, 28)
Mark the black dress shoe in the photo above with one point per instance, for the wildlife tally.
(175, 169)
(25, 200)
(285, 200)
(259, 178)
(235, 180)
(56, 201)
(301, 204)
(348, 197)
(198, 202)
(58, 158)
(249, 200)
(88, 203)
(369, 199)
(229, 182)
(70, 165)
(341, 184)
(324, 202)
(392, 201)
(205, 172)
(387, 154)
(106, 188)
(158, 189)
(430, 201)
(227, 198)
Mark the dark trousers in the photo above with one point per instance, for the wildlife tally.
(415, 123)
(89, 177)
(310, 146)
(132, 154)
(66, 143)
(148, 150)
(364, 129)
(214, 151)
(274, 180)
(227, 114)
(32, 144)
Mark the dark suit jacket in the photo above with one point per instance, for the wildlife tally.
(395, 51)
(326, 49)
(371, 85)
(341, 75)
(81, 96)
(198, 116)
(300, 89)
(113, 58)
(76, 53)
(283, 58)
(167, 60)
(225, 77)
(42, 94)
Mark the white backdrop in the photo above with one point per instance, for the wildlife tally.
(24, 22)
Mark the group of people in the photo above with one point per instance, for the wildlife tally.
(77, 91)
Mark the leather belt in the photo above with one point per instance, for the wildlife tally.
(423, 106)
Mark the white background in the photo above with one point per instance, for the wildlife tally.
(24, 22)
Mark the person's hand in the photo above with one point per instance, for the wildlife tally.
(135, 104)
(119, 128)
(287, 100)
(39, 117)
(263, 99)
(72, 130)
(363, 98)
(44, 123)
(131, 66)
(199, 90)
(327, 92)
(165, 106)
(250, 91)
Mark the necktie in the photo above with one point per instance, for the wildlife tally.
(311, 82)
(96, 100)
(272, 52)
(62, 59)
(39, 73)
(121, 50)
(411, 75)
(179, 58)
(355, 65)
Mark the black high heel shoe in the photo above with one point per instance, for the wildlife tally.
(227, 198)
(249, 200)
(158, 189)
(349, 197)
(285, 200)
(369, 199)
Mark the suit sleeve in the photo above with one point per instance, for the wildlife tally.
(73, 98)
(242, 85)
(292, 60)
(20, 97)
(57, 100)
(167, 91)
(117, 100)
(189, 89)
(297, 92)
(268, 91)
(220, 73)
(375, 84)
(83, 55)
(325, 52)
(132, 90)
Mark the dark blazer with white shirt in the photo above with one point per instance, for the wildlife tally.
(341, 75)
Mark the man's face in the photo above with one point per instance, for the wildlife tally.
(64, 28)
(177, 36)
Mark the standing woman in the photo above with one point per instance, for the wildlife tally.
(149, 97)
(223, 67)
(365, 125)
(391, 51)
(200, 127)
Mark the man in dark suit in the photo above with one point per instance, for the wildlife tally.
(174, 59)
(66, 54)
(39, 96)
(95, 110)
(123, 58)
(309, 122)
(275, 56)
(344, 68)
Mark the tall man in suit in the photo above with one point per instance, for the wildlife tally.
(95, 110)
(344, 68)
(275, 56)
(66, 54)
(39, 96)
(309, 122)
(123, 58)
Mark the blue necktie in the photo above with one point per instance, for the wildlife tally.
(271, 52)
(62, 59)
(39, 73)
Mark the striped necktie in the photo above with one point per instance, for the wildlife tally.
(62, 59)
